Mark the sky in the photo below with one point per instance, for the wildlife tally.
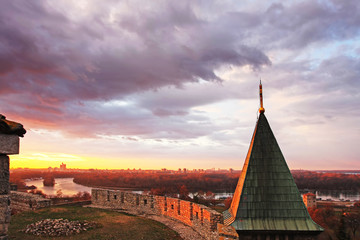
(174, 84)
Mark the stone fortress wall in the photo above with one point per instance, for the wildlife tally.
(21, 201)
(206, 221)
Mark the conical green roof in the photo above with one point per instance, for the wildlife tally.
(266, 197)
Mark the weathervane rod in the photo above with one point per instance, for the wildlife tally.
(262, 109)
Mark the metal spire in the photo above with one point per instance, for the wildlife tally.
(261, 109)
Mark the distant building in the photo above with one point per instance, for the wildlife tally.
(267, 203)
(62, 167)
(309, 200)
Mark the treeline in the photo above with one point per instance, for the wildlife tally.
(194, 181)
(342, 224)
(215, 182)
(326, 181)
(170, 182)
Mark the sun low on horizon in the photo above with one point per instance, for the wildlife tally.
(176, 84)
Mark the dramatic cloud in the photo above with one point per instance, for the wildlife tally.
(165, 71)
(111, 53)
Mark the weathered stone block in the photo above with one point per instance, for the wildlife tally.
(9, 144)
(5, 215)
(4, 175)
(5, 206)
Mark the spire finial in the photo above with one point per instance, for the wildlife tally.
(261, 109)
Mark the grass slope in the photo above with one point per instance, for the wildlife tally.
(114, 225)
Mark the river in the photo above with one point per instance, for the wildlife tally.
(320, 195)
(338, 195)
(66, 185)
(69, 188)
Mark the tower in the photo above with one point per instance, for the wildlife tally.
(267, 204)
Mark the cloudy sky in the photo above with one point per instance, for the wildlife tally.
(174, 84)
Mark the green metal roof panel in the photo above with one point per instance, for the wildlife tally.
(266, 197)
(275, 225)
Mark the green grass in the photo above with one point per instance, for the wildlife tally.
(113, 225)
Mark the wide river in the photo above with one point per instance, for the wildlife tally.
(69, 188)
(66, 185)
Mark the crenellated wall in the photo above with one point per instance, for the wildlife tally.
(201, 218)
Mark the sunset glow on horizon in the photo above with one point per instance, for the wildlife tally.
(173, 85)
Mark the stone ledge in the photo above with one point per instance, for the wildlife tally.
(9, 144)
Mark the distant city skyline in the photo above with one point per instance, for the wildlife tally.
(166, 84)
